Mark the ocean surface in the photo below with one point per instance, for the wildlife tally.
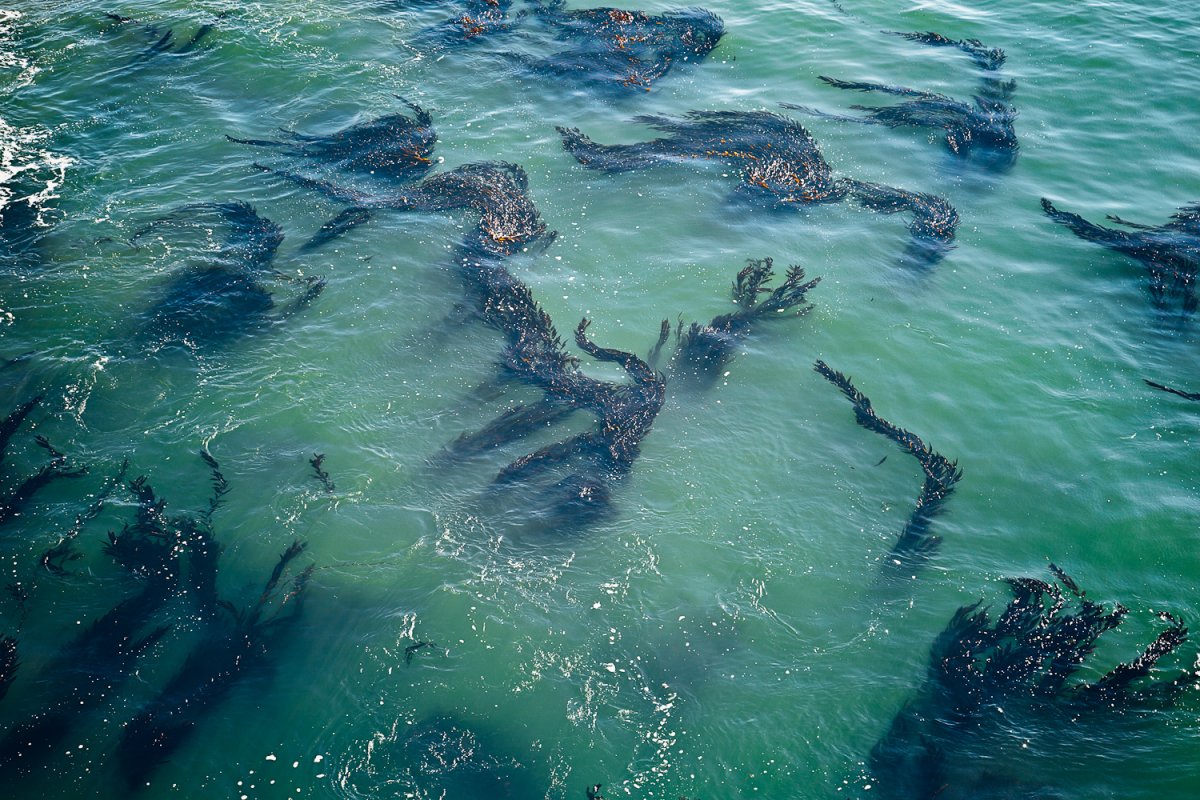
(722, 632)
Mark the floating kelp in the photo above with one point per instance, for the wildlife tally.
(1170, 252)
(224, 297)
(704, 350)
(989, 680)
(241, 642)
(535, 355)
(778, 161)
(161, 40)
(933, 222)
(473, 22)
(496, 190)
(615, 48)
(981, 127)
(395, 146)
(988, 59)
(316, 461)
(915, 544)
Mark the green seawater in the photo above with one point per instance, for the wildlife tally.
(723, 634)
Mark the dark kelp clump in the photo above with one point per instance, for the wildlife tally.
(988, 59)
(915, 544)
(623, 50)
(989, 681)
(778, 161)
(474, 21)
(704, 350)
(224, 296)
(1170, 252)
(395, 146)
(584, 466)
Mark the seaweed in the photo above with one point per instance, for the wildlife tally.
(224, 296)
(8, 663)
(236, 644)
(620, 49)
(1024, 664)
(704, 350)
(1177, 392)
(1169, 252)
(916, 544)
(91, 667)
(981, 128)
(395, 145)
(14, 498)
(778, 162)
(316, 461)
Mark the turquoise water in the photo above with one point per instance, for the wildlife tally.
(723, 633)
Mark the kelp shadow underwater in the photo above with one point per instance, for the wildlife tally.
(170, 565)
(223, 293)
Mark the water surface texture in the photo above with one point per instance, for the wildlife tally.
(725, 625)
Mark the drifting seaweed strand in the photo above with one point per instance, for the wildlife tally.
(915, 544)
(64, 550)
(316, 461)
(1184, 395)
(229, 650)
(988, 58)
(12, 502)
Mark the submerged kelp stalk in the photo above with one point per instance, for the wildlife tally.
(996, 679)
(915, 544)
(163, 42)
(64, 550)
(224, 295)
(14, 499)
(8, 663)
